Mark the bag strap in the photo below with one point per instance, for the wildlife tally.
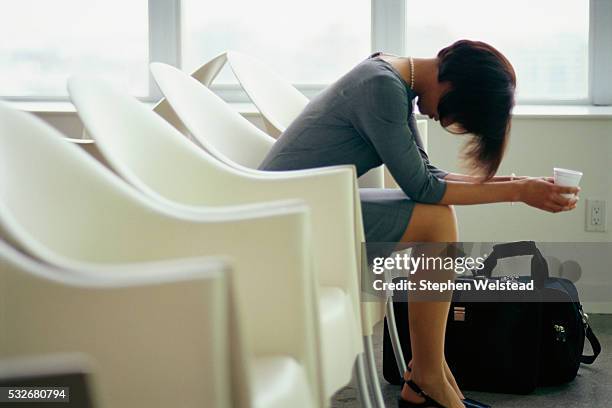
(539, 266)
(595, 345)
(515, 248)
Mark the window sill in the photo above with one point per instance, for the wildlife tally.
(563, 111)
(559, 112)
(248, 109)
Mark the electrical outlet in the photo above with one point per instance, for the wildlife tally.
(595, 215)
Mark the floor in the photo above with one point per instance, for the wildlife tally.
(591, 389)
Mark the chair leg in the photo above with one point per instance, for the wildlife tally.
(395, 341)
(362, 383)
(373, 372)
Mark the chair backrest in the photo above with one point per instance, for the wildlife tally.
(52, 197)
(222, 131)
(276, 98)
(155, 333)
(148, 152)
(205, 74)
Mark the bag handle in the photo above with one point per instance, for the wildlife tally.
(539, 266)
(595, 345)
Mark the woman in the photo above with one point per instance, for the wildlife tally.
(366, 119)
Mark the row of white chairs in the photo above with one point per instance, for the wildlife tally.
(66, 209)
(292, 239)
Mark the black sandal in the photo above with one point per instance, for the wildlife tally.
(468, 402)
(429, 402)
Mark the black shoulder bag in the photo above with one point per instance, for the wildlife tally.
(509, 347)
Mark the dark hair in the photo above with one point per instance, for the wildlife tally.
(480, 99)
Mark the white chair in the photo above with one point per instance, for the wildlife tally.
(67, 209)
(215, 124)
(229, 133)
(156, 334)
(206, 74)
(276, 98)
(176, 172)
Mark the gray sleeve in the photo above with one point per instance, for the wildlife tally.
(439, 173)
(381, 117)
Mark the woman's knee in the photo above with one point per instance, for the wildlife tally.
(432, 222)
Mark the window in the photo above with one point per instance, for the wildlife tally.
(45, 42)
(547, 41)
(309, 42)
(561, 49)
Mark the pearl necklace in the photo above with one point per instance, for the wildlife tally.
(411, 73)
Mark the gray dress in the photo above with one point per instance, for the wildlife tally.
(365, 119)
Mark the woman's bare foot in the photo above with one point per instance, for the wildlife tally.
(449, 377)
(438, 389)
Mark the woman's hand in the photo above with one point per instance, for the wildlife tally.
(542, 193)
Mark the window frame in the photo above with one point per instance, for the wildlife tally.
(388, 34)
(600, 52)
(164, 38)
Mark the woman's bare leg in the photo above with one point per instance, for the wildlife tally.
(430, 223)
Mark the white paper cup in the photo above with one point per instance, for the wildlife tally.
(567, 178)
